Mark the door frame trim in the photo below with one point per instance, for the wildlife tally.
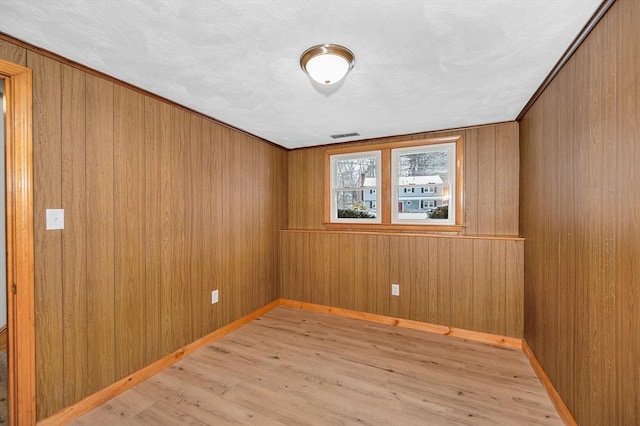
(20, 242)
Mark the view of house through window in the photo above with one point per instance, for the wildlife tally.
(422, 183)
(422, 180)
(355, 186)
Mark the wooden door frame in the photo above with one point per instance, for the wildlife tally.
(20, 243)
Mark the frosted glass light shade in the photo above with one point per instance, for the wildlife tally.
(327, 63)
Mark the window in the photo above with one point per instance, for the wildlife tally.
(413, 185)
(431, 166)
(427, 204)
(354, 187)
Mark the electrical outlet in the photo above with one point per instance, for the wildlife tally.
(214, 296)
(395, 289)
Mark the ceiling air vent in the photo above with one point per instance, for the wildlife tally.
(344, 135)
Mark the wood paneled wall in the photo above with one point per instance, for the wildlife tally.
(161, 207)
(580, 156)
(476, 284)
(491, 171)
(470, 283)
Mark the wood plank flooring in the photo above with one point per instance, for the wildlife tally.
(294, 367)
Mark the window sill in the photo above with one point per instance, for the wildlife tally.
(392, 227)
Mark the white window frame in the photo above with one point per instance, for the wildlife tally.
(395, 186)
(334, 158)
(432, 204)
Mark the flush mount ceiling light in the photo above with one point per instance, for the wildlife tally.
(327, 64)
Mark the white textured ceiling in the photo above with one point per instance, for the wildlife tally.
(420, 65)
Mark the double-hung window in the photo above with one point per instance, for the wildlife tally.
(432, 169)
(355, 185)
(413, 185)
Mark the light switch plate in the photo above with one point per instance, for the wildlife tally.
(55, 219)
(214, 296)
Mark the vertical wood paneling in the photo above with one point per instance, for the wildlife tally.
(566, 245)
(161, 205)
(74, 247)
(47, 146)
(444, 291)
(486, 191)
(209, 199)
(491, 167)
(408, 272)
(279, 211)
(474, 284)
(245, 229)
(234, 217)
(579, 153)
(227, 187)
(307, 263)
(258, 243)
(419, 264)
(380, 270)
(602, 155)
(321, 256)
(193, 183)
(345, 288)
(264, 241)
(281, 214)
(298, 188)
(100, 234)
(181, 319)
(433, 270)
(371, 273)
(506, 187)
(167, 249)
(534, 197)
(286, 268)
(498, 298)
(549, 272)
(582, 269)
(471, 185)
(361, 281)
(217, 252)
(332, 270)
(482, 295)
(627, 220)
(514, 296)
(300, 266)
(462, 285)
(153, 231)
(239, 250)
(13, 53)
(129, 209)
(306, 174)
(394, 274)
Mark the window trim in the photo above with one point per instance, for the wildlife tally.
(395, 195)
(377, 154)
(385, 187)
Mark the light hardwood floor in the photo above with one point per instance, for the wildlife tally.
(296, 367)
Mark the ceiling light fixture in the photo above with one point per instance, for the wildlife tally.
(327, 64)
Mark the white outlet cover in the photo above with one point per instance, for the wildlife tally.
(395, 289)
(55, 219)
(214, 296)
